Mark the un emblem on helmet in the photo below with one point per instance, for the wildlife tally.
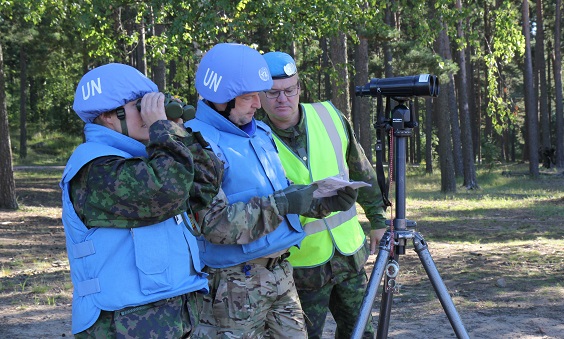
(290, 69)
(264, 74)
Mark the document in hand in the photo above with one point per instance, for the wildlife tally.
(328, 187)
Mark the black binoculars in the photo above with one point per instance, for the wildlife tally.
(174, 109)
(408, 86)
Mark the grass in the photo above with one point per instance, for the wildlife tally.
(53, 149)
(505, 208)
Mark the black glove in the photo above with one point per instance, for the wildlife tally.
(294, 199)
(343, 201)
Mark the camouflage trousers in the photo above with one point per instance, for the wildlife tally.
(170, 318)
(250, 301)
(341, 293)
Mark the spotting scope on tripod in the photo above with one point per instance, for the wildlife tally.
(399, 122)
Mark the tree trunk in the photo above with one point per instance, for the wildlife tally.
(171, 73)
(417, 134)
(446, 160)
(473, 92)
(388, 70)
(340, 86)
(487, 135)
(142, 49)
(121, 55)
(549, 81)
(325, 66)
(23, 106)
(361, 113)
(558, 89)
(530, 100)
(454, 124)
(540, 65)
(388, 55)
(159, 76)
(8, 191)
(477, 112)
(470, 181)
(34, 115)
(428, 135)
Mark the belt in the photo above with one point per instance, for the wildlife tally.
(269, 263)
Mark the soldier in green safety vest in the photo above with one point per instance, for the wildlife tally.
(316, 141)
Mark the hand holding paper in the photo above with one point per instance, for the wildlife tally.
(328, 187)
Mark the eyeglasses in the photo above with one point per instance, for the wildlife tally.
(288, 92)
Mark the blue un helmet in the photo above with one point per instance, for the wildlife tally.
(108, 87)
(229, 70)
(281, 65)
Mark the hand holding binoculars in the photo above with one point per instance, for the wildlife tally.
(174, 109)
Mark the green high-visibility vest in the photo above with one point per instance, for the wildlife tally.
(327, 146)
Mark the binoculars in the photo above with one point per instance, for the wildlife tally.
(174, 109)
(408, 86)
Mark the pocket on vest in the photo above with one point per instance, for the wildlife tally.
(152, 258)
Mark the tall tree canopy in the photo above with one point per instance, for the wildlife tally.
(49, 44)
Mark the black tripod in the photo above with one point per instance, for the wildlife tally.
(393, 244)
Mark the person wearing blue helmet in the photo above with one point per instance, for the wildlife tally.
(316, 141)
(250, 225)
(134, 262)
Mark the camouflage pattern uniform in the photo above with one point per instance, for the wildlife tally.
(171, 318)
(116, 192)
(242, 297)
(125, 193)
(339, 284)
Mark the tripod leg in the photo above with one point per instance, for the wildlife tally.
(385, 310)
(420, 246)
(372, 287)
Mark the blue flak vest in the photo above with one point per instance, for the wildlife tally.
(114, 268)
(252, 168)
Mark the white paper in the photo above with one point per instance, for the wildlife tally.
(328, 187)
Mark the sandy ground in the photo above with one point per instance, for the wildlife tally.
(416, 313)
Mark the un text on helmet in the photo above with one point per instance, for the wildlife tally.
(212, 80)
(92, 84)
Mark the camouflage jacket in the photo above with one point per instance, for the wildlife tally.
(360, 169)
(177, 173)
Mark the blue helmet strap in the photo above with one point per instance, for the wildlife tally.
(121, 116)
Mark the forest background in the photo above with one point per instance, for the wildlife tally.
(488, 193)
(498, 63)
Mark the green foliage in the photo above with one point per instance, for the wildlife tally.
(490, 151)
(59, 40)
(507, 43)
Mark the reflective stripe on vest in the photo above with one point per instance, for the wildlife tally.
(341, 229)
